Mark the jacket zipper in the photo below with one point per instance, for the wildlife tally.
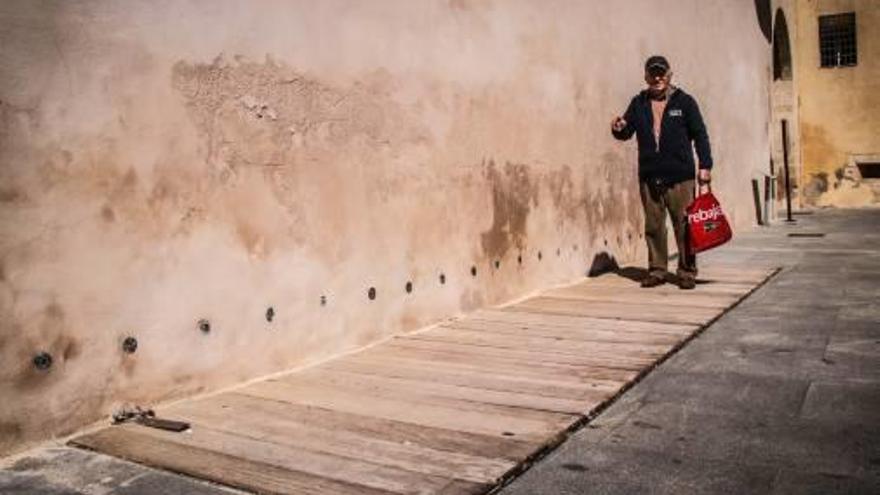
(662, 120)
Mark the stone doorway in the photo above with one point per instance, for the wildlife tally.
(783, 105)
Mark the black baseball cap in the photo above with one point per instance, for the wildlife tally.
(657, 62)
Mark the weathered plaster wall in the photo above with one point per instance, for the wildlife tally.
(164, 162)
(838, 106)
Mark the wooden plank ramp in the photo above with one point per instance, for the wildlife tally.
(450, 410)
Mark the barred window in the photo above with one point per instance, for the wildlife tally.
(837, 40)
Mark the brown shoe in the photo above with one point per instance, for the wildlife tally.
(687, 283)
(652, 281)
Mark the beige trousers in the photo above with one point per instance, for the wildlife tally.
(658, 200)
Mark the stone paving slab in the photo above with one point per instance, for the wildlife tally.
(70, 471)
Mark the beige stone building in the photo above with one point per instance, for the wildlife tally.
(825, 86)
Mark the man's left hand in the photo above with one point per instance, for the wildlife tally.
(703, 179)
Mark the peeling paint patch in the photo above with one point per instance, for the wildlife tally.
(259, 114)
(265, 126)
(831, 180)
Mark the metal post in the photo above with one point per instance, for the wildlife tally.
(756, 195)
(788, 217)
(773, 194)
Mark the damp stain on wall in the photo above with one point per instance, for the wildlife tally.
(53, 338)
(10, 434)
(514, 194)
(825, 166)
(818, 151)
(607, 200)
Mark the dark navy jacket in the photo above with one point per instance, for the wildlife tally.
(673, 160)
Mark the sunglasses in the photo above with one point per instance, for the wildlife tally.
(657, 71)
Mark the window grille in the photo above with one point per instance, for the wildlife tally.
(837, 40)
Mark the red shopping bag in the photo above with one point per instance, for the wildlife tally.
(707, 225)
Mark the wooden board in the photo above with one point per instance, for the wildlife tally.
(603, 345)
(490, 379)
(236, 415)
(449, 410)
(346, 472)
(523, 317)
(557, 333)
(516, 362)
(421, 389)
(136, 444)
(492, 421)
(618, 310)
(543, 372)
(664, 298)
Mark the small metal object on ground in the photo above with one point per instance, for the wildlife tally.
(164, 424)
(806, 234)
(146, 417)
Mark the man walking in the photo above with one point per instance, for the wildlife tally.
(668, 126)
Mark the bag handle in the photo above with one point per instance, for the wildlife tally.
(700, 184)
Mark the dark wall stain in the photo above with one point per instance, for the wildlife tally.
(108, 214)
(54, 311)
(10, 434)
(818, 151)
(819, 156)
(69, 347)
(10, 195)
(612, 204)
(815, 187)
(470, 5)
(53, 337)
(514, 194)
(563, 195)
(29, 378)
(128, 364)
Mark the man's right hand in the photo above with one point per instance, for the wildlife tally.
(618, 124)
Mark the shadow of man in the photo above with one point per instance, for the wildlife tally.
(605, 263)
